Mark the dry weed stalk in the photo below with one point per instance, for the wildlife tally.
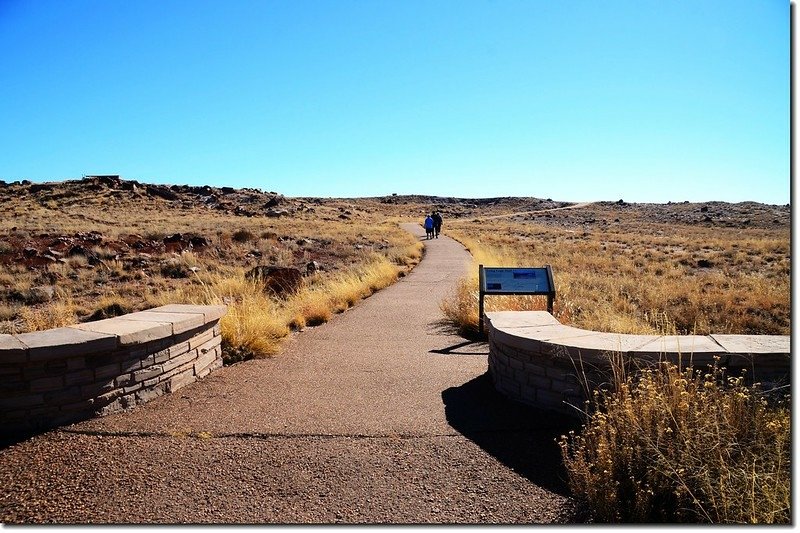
(672, 446)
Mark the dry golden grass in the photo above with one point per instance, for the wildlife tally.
(256, 322)
(670, 446)
(359, 247)
(626, 280)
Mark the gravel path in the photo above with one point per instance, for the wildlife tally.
(379, 416)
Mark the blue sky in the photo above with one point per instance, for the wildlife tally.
(649, 101)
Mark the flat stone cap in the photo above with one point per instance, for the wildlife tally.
(521, 329)
(104, 335)
(210, 312)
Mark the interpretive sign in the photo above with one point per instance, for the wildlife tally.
(515, 280)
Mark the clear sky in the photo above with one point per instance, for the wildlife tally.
(644, 100)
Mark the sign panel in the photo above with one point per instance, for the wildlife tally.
(497, 280)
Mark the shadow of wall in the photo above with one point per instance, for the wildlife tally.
(521, 437)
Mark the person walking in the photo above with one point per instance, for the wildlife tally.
(428, 227)
(437, 223)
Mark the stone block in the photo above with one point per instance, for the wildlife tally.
(549, 399)
(180, 380)
(107, 371)
(754, 344)
(13, 387)
(135, 351)
(151, 393)
(214, 365)
(10, 371)
(513, 339)
(532, 368)
(102, 359)
(204, 360)
(516, 319)
(107, 398)
(539, 382)
(510, 386)
(129, 332)
(180, 321)
(69, 394)
(47, 384)
(150, 382)
(596, 345)
(94, 390)
(125, 380)
(148, 373)
(129, 364)
(516, 364)
(114, 406)
(130, 389)
(82, 406)
(178, 349)
(200, 339)
(212, 344)
(76, 363)
(21, 402)
(80, 377)
(528, 394)
(43, 413)
(12, 350)
(62, 343)
(684, 345)
(186, 358)
(180, 369)
(210, 312)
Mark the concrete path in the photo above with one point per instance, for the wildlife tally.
(381, 415)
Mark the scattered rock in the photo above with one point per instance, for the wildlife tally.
(198, 241)
(161, 192)
(41, 294)
(312, 267)
(37, 187)
(274, 201)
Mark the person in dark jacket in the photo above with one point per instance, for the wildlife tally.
(437, 223)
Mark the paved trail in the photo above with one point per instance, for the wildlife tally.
(379, 416)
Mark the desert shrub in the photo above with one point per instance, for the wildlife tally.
(243, 235)
(56, 314)
(633, 285)
(9, 311)
(109, 307)
(683, 446)
(175, 270)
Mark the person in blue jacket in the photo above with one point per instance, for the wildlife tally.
(428, 227)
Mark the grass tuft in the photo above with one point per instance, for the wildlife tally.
(673, 446)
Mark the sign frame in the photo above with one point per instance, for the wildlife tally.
(550, 292)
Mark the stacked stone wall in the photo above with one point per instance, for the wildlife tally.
(536, 360)
(55, 377)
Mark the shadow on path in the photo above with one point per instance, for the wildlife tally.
(464, 348)
(521, 437)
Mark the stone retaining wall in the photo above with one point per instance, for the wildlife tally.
(58, 376)
(536, 360)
